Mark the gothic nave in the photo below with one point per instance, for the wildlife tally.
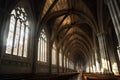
(59, 39)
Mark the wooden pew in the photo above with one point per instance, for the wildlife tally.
(65, 76)
(93, 76)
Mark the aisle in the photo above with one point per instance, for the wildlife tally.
(77, 77)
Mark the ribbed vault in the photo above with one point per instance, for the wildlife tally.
(82, 30)
(72, 27)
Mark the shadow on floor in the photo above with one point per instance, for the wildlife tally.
(75, 77)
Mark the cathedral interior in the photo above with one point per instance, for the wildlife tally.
(59, 39)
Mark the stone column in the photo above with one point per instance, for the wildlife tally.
(65, 64)
(34, 61)
(58, 60)
(62, 62)
(105, 63)
(117, 56)
(113, 58)
(93, 63)
(90, 66)
(97, 62)
(113, 6)
(115, 15)
(1, 22)
(50, 57)
(4, 21)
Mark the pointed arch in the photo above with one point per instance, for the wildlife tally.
(18, 33)
(42, 47)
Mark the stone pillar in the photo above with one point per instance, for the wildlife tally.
(65, 64)
(58, 60)
(97, 62)
(34, 61)
(93, 61)
(113, 6)
(85, 68)
(113, 60)
(115, 15)
(50, 57)
(4, 21)
(90, 65)
(1, 22)
(117, 57)
(105, 63)
(62, 62)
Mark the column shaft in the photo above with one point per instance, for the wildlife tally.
(115, 16)
(105, 64)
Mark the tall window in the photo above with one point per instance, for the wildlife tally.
(60, 58)
(118, 51)
(17, 40)
(64, 61)
(42, 47)
(67, 63)
(54, 54)
(71, 65)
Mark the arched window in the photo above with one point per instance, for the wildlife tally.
(42, 47)
(17, 40)
(71, 65)
(54, 54)
(118, 51)
(67, 63)
(60, 58)
(64, 61)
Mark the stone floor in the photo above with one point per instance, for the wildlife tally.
(76, 77)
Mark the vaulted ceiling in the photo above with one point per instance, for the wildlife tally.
(72, 24)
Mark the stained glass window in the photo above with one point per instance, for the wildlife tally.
(42, 47)
(17, 40)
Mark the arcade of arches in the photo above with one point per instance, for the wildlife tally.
(59, 36)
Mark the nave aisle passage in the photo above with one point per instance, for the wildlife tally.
(76, 77)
